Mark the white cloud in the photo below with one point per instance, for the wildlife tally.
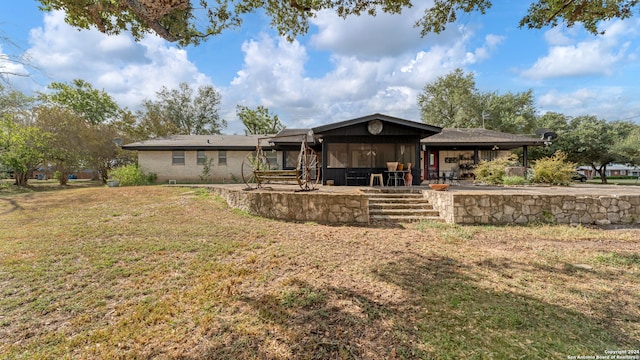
(570, 58)
(273, 75)
(12, 67)
(607, 102)
(129, 71)
(367, 37)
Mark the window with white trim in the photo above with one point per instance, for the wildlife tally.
(177, 157)
(222, 157)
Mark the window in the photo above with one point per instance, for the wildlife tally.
(201, 157)
(272, 158)
(222, 157)
(337, 155)
(291, 160)
(178, 157)
(488, 155)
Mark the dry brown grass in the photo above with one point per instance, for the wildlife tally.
(157, 272)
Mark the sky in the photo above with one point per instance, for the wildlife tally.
(342, 69)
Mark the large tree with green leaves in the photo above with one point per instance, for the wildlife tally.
(22, 148)
(588, 140)
(181, 111)
(629, 147)
(259, 121)
(188, 22)
(453, 100)
(95, 106)
(67, 147)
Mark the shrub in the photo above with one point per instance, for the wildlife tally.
(131, 175)
(555, 170)
(513, 180)
(492, 172)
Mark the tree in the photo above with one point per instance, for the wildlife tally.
(179, 111)
(67, 146)
(22, 148)
(589, 140)
(179, 20)
(101, 152)
(453, 100)
(513, 113)
(629, 147)
(96, 106)
(258, 121)
(16, 104)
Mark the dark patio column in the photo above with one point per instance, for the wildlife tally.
(525, 156)
(475, 156)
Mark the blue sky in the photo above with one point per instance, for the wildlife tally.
(342, 69)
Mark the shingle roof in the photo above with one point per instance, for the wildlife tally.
(193, 142)
(450, 137)
(428, 129)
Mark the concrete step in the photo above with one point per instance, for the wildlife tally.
(404, 205)
(399, 206)
(395, 218)
(404, 200)
(396, 211)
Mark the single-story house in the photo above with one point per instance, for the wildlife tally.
(457, 150)
(360, 146)
(183, 157)
(612, 170)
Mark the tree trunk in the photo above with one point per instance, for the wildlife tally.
(21, 178)
(602, 170)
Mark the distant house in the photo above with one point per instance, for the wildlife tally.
(612, 170)
(362, 145)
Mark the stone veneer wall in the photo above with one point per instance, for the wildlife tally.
(299, 206)
(528, 208)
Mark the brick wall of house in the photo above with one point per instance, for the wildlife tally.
(160, 163)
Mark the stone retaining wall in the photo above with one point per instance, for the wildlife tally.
(299, 206)
(478, 208)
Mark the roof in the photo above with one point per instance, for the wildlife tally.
(386, 118)
(465, 137)
(292, 136)
(200, 142)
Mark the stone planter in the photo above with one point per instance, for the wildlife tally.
(392, 165)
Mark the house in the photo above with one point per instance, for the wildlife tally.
(612, 170)
(183, 157)
(458, 150)
(360, 146)
(364, 145)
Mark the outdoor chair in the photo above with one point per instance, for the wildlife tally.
(433, 175)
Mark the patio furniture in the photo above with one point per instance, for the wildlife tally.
(374, 177)
(396, 177)
(359, 176)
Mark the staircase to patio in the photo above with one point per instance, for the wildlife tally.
(399, 205)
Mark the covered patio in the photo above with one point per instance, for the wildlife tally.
(354, 149)
(454, 152)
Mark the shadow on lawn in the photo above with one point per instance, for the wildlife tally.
(13, 206)
(441, 314)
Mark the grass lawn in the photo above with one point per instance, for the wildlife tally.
(158, 272)
(616, 181)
